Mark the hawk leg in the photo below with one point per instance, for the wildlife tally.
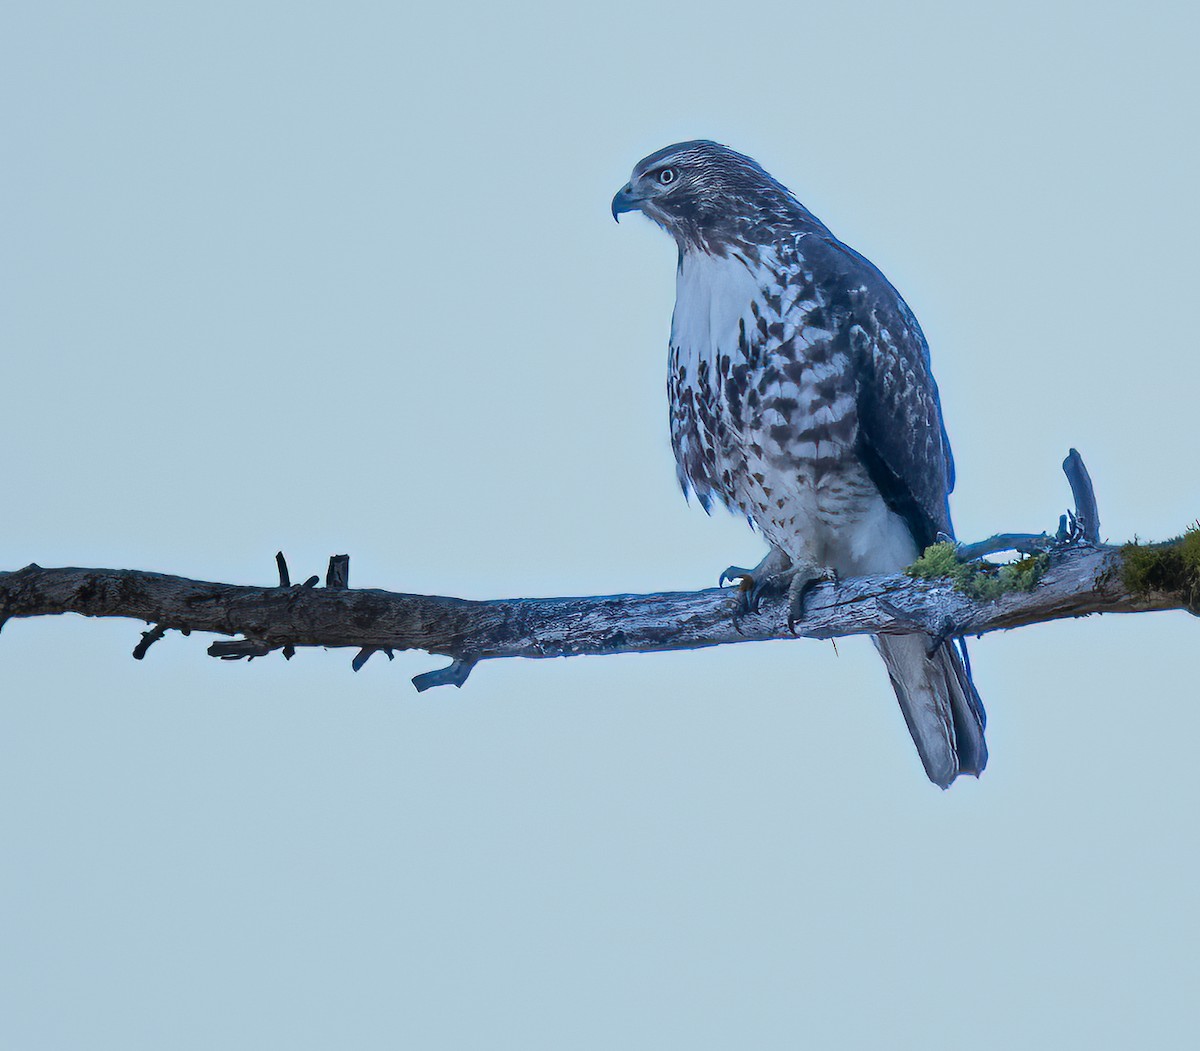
(801, 579)
(769, 575)
(776, 574)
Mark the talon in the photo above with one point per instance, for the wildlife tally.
(804, 578)
(731, 574)
(761, 586)
(745, 603)
(770, 574)
(796, 604)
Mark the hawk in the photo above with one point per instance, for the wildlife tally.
(801, 396)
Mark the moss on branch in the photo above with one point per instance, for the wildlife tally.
(979, 580)
(1172, 567)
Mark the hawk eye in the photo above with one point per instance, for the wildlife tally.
(667, 176)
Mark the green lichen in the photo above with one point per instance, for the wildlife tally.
(979, 580)
(1172, 567)
(939, 560)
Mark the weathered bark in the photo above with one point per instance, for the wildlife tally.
(1081, 579)
(1083, 576)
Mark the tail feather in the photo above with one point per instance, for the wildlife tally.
(970, 720)
(941, 706)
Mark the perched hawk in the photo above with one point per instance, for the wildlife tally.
(801, 396)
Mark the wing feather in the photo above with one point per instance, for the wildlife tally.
(902, 437)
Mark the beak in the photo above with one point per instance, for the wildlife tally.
(624, 201)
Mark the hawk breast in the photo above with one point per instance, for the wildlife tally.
(801, 396)
(763, 406)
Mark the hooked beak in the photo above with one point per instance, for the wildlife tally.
(624, 201)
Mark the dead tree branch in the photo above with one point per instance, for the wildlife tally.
(1081, 576)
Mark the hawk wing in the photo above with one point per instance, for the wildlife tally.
(901, 435)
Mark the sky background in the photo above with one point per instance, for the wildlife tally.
(342, 278)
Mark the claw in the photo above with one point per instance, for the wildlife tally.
(803, 580)
(752, 591)
(748, 592)
(796, 607)
(732, 573)
(737, 622)
(775, 573)
(747, 600)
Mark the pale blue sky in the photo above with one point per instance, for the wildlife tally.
(343, 278)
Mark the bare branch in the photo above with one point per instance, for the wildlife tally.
(1079, 580)
(149, 638)
(1086, 514)
(338, 575)
(455, 674)
(1081, 577)
(1026, 543)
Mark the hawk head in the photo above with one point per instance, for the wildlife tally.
(707, 196)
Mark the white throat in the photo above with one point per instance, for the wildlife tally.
(713, 295)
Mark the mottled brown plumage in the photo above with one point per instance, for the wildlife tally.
(801, 396)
